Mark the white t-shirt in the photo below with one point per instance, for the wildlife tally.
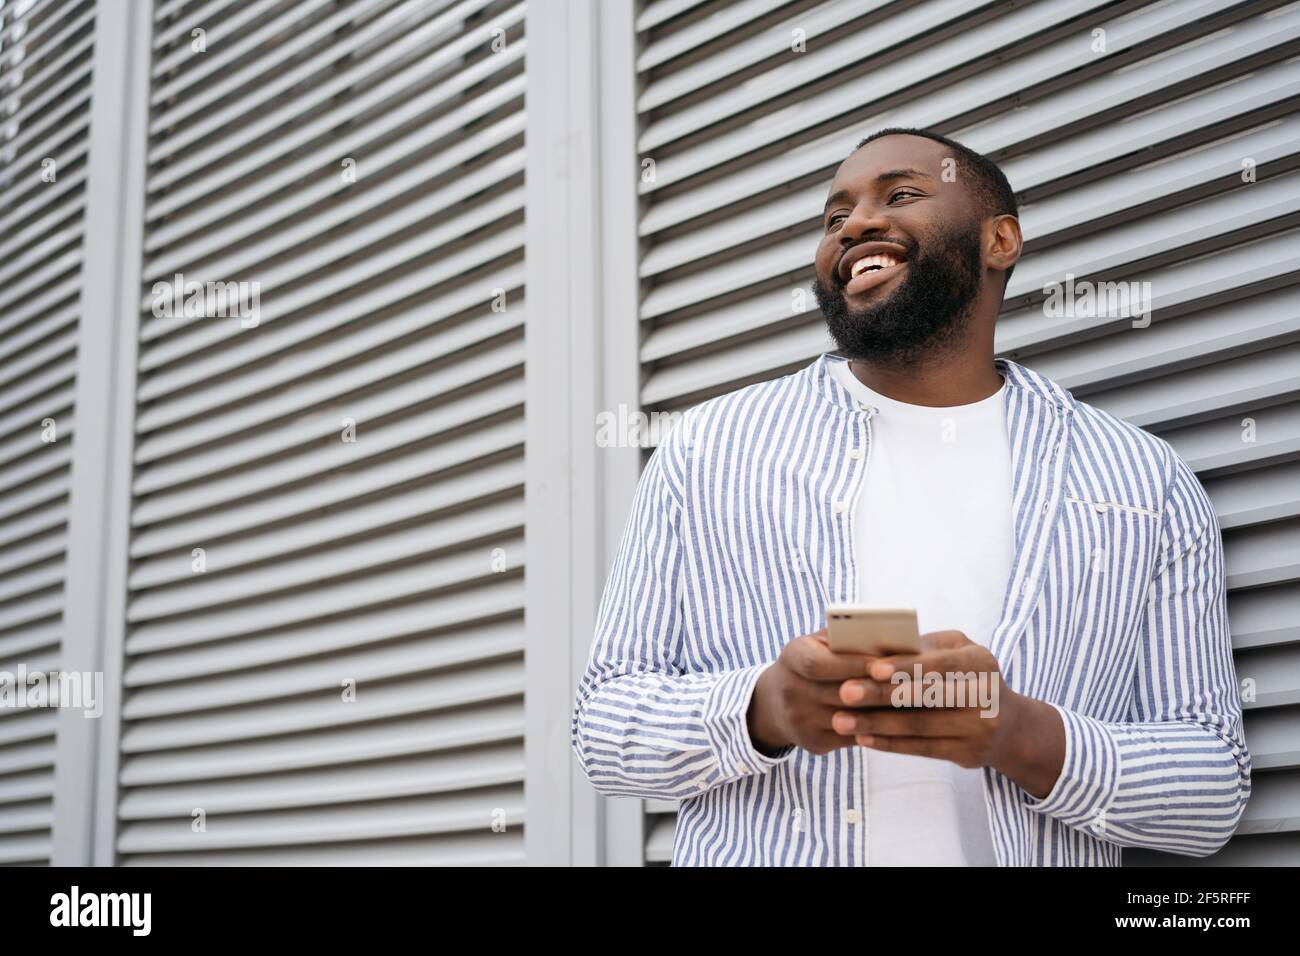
(933, 530)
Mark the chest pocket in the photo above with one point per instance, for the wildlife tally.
(1102, 566)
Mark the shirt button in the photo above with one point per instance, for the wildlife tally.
(856, 454)
(838, 507)
(853, 816)
(1100, 508)
(702, 785)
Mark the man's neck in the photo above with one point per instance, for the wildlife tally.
(960, 379)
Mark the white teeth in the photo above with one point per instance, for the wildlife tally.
(884, 261)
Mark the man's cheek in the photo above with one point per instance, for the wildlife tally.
(822, 262)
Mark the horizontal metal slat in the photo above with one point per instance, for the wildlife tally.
(443, 572)
(440, 691)
(319, 501)
(395, 777)
(657, 12)
(345, 248)
(229, 38)
(329, 567)
(965, 51)
(500, 210)
(472, 848)
(476, 623)
(304, 365)
(722, 24)
(42, 637)
(1274, 805)
(165, 33)
(278, 340)
(403, 817)
(271, 77)
(323, 191)
(352, 127)
(328, 530)
(1273, 736)
(208, 125)
(419, 733)
(49, 35)
(332, 386)
(749, 361)
(277, 476)
(876, 40)
(1258, 556)
(1264, 617)
(26, 848)
(1205, 392)
(325, 423)
(370, 667)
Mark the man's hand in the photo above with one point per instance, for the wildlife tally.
(796, 698)
(1023, 739)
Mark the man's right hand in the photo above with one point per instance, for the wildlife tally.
(796, 697)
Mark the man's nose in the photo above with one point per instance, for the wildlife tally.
(861, 222)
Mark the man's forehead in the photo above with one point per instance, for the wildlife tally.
(891, 154)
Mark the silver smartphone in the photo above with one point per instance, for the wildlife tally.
(872, 629)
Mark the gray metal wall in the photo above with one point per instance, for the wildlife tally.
(349, 464)
(220, 547)
(1128, 159)
(45, 66)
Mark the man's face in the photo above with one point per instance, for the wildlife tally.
(899, 265)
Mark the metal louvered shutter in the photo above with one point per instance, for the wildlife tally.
(45, 65)
(391, 305)
(1129, 163)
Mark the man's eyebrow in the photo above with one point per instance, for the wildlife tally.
(840, 195)
(902, 174)
(845, 195)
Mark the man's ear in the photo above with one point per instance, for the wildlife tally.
(1003, 242)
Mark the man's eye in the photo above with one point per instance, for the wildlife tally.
(902, 192)
(835, 220)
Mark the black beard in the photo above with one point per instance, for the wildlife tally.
(925, 315)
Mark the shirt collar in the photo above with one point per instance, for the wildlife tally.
(1031, 383)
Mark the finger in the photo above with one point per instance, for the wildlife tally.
(860, 692)
(953, 690)
(813, 659)
(963, 659)
(938, 748)
(943, 640)
(905, 722)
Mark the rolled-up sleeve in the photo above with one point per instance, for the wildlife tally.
(1176, 775)
(643, 726)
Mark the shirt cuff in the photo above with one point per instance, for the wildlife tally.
(726, 721)
(1089, 777)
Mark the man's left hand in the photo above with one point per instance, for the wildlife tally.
(1018, 736)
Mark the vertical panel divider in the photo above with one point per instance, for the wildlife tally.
(582, 340)
(86, 756)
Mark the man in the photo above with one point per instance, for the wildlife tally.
(1067, 559)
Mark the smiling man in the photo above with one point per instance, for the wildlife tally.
(1071, 561)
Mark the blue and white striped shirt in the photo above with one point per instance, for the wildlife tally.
(1115, 614)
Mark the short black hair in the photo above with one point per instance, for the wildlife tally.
(992, 190)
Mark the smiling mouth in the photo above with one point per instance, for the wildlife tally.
(866, 264)
(873, 264)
